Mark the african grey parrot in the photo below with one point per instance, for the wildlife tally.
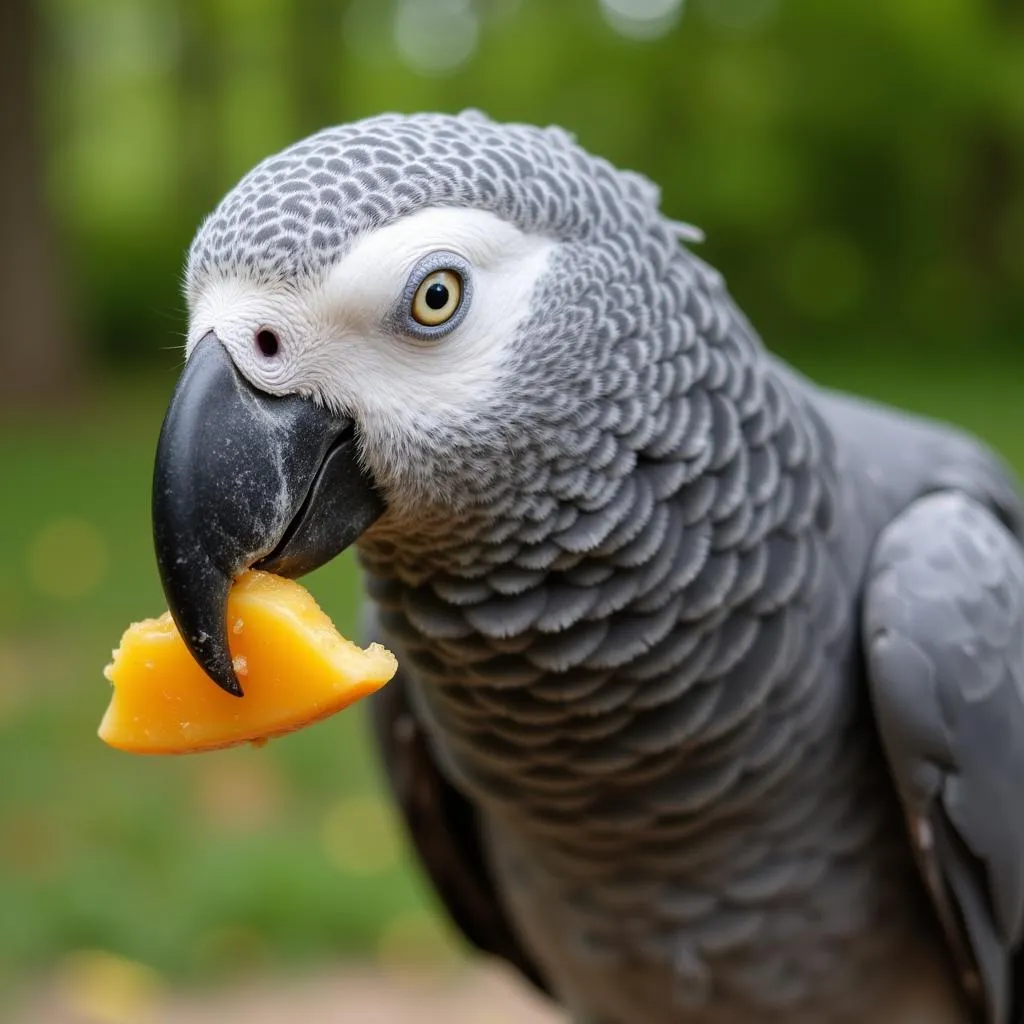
(711, 698)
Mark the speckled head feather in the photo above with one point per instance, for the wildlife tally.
(298, 210)
(611, 319)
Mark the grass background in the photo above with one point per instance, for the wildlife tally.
(232, 861)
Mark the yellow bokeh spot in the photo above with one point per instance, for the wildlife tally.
(104, 988)
(233, 948)
(360, 836)
(67, 558)
(416, 940)
(238, 794)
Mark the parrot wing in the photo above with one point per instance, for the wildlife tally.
(943, 624)
(444, 830)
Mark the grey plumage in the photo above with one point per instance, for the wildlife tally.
(943, 615)
(691, 649)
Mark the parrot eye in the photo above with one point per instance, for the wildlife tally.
(437, 298)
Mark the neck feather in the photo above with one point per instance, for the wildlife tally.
(568, 648)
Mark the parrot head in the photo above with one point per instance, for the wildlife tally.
(399, 325)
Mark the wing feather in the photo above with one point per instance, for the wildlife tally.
(944, 636)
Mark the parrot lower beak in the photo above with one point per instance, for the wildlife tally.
(242, 479)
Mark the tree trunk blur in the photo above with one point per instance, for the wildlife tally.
(39, 358)
(991, 187)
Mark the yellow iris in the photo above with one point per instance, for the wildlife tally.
(437, 298)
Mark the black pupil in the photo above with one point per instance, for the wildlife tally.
(268, 343)
(437, 296)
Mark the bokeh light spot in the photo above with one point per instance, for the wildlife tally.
(67, 559)
(239, 794)
(436, 38)
(360, 837)
(107, 989)
(233, 949)
(642, 19)
(416, 941)
(31, 845)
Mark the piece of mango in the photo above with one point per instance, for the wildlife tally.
(294, 667)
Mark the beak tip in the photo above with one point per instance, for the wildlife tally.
(224, 677)
(214, 658)
(231, 685)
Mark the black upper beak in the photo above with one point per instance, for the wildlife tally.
(243, 478)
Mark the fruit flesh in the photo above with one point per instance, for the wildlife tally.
(294, 667)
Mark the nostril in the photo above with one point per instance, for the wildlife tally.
(267, 342)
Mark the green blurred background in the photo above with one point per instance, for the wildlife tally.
(858, 169)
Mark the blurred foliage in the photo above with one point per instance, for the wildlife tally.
(858, 168)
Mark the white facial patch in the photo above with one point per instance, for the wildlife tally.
(338, 340)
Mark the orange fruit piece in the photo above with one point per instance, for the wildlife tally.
(294, 667)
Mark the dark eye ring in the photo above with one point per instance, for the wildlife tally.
(267, 342)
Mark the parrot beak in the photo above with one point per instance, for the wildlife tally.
(244, 479)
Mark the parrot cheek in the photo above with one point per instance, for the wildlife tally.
(243, 479)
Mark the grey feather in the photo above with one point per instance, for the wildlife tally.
(944, 623)
(648, 598)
